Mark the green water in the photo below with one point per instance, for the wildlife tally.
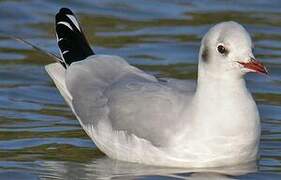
(39, 136)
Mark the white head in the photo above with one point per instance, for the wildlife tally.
(226, 51)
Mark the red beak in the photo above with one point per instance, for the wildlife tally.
(255, 66)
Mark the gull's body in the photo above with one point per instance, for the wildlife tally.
(132, 116)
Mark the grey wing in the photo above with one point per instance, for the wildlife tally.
(107, 89)
(146, 109)
(185, 86)
(87, 80)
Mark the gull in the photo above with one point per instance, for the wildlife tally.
(133, 116)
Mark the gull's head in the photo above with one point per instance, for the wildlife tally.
(226, 49)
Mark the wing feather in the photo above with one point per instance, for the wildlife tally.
(108, 89)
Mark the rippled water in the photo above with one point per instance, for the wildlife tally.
(40, 137)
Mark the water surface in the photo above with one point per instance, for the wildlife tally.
(40, 137)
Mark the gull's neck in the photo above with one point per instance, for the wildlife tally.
(220, 94)
(223, 106)
(216, 82)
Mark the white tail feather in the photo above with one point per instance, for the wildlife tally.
(57, 73)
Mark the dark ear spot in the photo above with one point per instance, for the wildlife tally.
(205, 54)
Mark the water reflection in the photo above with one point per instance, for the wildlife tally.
(105, 168)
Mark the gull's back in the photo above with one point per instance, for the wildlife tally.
(107, 90)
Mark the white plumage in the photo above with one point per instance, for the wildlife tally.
(132, 116)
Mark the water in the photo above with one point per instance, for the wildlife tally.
(40, 137)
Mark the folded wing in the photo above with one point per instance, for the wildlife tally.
(106, 89)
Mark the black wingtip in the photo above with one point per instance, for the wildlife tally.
(71, 40)
(62, 12)
(65, 10)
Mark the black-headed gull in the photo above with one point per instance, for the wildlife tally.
(132, 116)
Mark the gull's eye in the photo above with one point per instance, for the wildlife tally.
(221, 49)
